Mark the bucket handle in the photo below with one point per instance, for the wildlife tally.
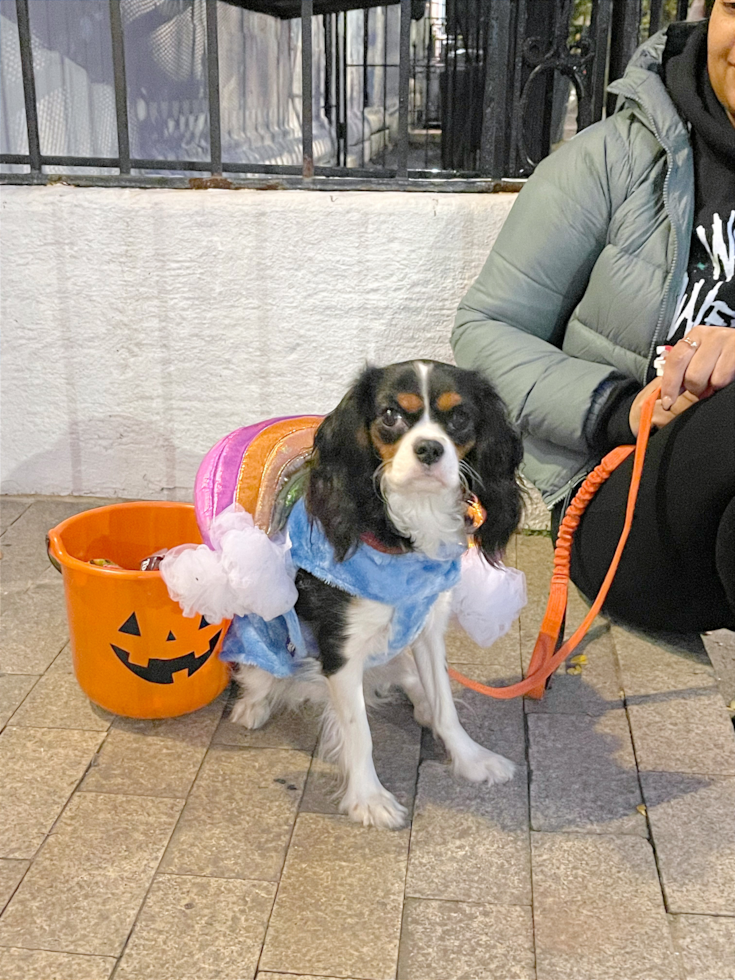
(54, 561)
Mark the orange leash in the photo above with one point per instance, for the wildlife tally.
(543, 660)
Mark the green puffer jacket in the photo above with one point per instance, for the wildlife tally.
(583, 280)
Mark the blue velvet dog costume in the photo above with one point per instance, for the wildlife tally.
(409, 582)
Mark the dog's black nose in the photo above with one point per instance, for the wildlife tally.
(428, 451)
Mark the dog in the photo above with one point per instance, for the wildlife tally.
(391, 469)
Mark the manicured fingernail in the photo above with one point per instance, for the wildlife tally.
(666, 403)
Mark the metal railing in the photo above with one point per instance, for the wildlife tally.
(481, 90)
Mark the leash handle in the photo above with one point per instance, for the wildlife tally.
(544, 661)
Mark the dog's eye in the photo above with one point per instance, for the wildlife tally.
(459, 422)
(390, 417)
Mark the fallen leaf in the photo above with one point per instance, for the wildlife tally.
(579, 659)
(731, 706)
(574, 670)
(641, 808)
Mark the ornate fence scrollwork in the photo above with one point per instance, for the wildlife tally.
(572, 62)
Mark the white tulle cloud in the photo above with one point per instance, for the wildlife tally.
(487, 599)
(244, 572)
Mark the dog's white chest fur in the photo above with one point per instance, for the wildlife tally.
(368, 628)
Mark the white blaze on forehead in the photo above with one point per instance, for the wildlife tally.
(423, 371)
(424, 503)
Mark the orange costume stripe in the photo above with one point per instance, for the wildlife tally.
(269, 460)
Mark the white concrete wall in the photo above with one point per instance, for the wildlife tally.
(140, 326)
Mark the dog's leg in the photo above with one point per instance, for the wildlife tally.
(365, 799)
(401, 672)
(257, 696)
(468, 758)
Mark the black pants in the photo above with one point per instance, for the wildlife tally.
(677, 571)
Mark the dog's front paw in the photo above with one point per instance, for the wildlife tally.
(379, 809)
(480, 765)
(250, 714)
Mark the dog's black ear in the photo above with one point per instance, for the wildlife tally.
(495, 459)
(339, 490)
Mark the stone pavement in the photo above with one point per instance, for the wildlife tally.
(191, 849)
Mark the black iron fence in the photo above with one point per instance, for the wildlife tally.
(440, 95)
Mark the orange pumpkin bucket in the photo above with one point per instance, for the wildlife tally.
(134, 652)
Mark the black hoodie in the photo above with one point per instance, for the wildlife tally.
(709, 294)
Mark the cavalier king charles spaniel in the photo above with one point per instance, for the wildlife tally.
(392, 469)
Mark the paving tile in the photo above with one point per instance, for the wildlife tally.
(706, 945)
(13, 689)
(693, 826)
(534, 553)
(720, 647)
(456, 941)
(33, 629)
(286, 730)
(39, 964)
(24, 543)
(662, 663)
(10, 510)
(158, 757)
(584, 775)
(598, 910)
(506, 650)
(57, 701)
(39, 768)
(83, 891)
(338, 909)
(469, 842)
(535, 556)
(62, 663)
(198, 929)
(677, 715)
(592, 688)
(292, 976)
(143, 765)
(51, 576)
(197, 727)
(687, 734)
(240, 813)
(11, 873)
(396, 748)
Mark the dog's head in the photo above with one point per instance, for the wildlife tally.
(401, 452)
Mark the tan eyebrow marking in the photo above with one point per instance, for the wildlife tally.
(448, 400)
(410, 402)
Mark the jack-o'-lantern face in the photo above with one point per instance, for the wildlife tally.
(159, 670)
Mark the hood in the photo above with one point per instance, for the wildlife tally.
(642, 86)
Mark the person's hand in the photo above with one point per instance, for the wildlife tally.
(701, 364)
(660, 416)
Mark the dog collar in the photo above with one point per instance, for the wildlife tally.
(368, 538)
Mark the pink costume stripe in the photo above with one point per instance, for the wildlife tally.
(216, 479)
